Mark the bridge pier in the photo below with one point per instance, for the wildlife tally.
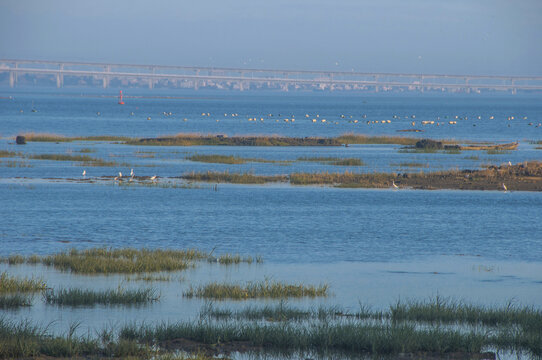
(12, 79)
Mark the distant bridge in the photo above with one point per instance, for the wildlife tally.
(83, 73)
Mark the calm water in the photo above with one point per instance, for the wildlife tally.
(371, 246)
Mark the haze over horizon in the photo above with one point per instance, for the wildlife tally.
(420, 36)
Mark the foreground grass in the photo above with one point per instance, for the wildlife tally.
(347, 336)
(25, 340)
(253, 290)
(83, 297)
(11, 284)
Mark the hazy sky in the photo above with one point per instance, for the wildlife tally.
(429, 36)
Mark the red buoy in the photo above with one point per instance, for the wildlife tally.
(120, 98)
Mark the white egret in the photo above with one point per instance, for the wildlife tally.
(394, 185)
(504, 187)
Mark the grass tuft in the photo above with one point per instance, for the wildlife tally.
(253, 290)
(80, 297)
(10, 284)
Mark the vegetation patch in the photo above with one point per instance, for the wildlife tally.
(229, 159)
(334, 161)
(44, 137)
(83, 297)
(233, 178)
(253, 290)
(85, 159)
(351, 138)
(12, 284)
(14, 301)
(6, 153)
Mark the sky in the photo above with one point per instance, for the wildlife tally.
(479, 37)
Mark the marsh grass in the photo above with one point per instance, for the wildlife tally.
(14, 301)
(22, 339)
(148, 278)
(472, 157)
(231, 259)
(124, 261)
(45, 137)
(334, 161)
(86, 151)
(9, 154)
(417, 151)
(16, 164)
(349, 337)
(128, 261)
(253, 290)
(230, 159)
(12, 284)
(410, 165)
(84, 159)
(233, 178)
(84, 297)
(351, 138)
(497, 152)
(184, 139)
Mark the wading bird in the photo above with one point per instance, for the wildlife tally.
(394, 185)
(153, 177)
(504, 187)
(84, 173)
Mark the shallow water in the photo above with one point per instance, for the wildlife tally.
(372, 247)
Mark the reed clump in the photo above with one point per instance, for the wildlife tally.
(14, 301)
(124, 261)
(22, 339)
(84, 297)
(253, 290)
(233, 178)
(12, 284)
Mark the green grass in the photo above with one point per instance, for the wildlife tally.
(348, 337)
(14, 301)
(12, 284)
(497, 152)
(254, 290)
(233, 178)
(21, 339)
(83, 297)
(85, 159)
